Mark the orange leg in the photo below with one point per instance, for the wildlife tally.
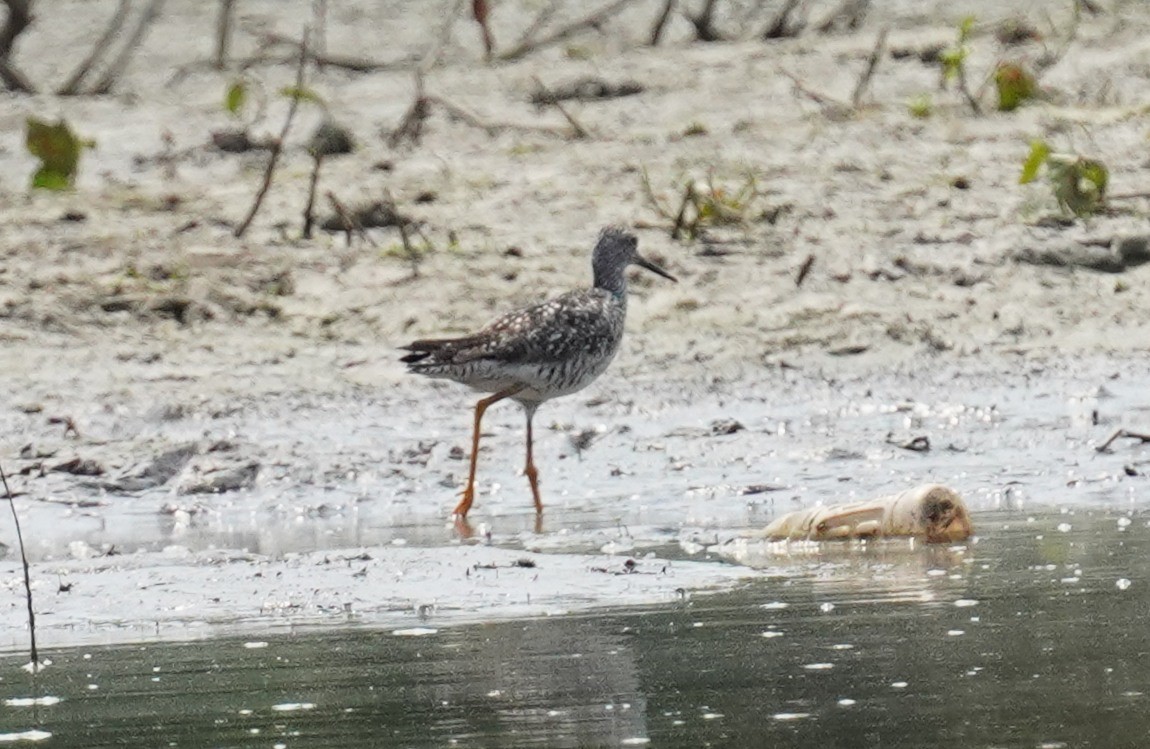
(469, 493)
(530, 470)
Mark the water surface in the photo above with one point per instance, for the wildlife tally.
(1034, 635)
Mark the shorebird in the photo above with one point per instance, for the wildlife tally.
(541, 352)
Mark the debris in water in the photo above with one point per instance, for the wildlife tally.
(931, 512)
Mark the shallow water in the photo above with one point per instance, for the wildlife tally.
(342, 472)
(1034, 635)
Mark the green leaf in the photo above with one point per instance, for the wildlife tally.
(59, 151)
(302, 94)
(965, 27)
(1096, 173)
(48, 179)
(920, 106)
(1039, 152)
(1014, 85)
(1079, 184)
(236, 97)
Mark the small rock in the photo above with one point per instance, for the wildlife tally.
(726, 426)
(79, 467)
(160, 470)
(331, 139)
(1134, 251)
(228, 479)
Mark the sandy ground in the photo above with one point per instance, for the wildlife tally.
(128, 306)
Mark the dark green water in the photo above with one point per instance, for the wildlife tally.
(1032, 637)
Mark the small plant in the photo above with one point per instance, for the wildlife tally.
(1015, 85)
(1078, 183)
(705, 203)
(921, 106)
(953, 59)
(58, 149)
(236, 97)
(953, 62)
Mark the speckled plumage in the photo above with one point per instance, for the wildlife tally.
(552, 349)
(544, 351)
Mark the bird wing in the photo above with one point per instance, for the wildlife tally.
(553, 330)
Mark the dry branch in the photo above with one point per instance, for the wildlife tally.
(876, 55)
(308, 211)
(851, 12)
(344, 62)
(224, 33)
(19, 18)
(277, 147)
(704, 22)
(27, 573)
(435, 52)
(661, 22)
(104, 85)
(823, 100)
(579, 131)
(351, 224)
(71, 87)
(480, 12)
(1123, 434)
(410, 128)
(526, 47)
(781, 27)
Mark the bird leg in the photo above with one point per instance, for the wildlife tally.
(529, 469)
(469, 493)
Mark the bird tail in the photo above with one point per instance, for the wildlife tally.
(438, 350)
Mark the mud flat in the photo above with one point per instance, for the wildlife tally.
(174, 395)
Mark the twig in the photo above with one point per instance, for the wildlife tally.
(821, 99)
(401, 222)
(871, 65)
(278, 146)
(1123, 434)
(19, 18)
(113, 72)
(541, 19)
(14, 79)
(964, 87)
(411, 126)
(580, 131)
(661, 22)
(780, 27)
(351, 225)
(526, 47)
(480, 12)
(71, 87)
(224, 33)
(704, 22)
(649, 191)
(804, 270)
(27, 573)
(343, 62)
(308, 214)
(434, 53)
(319, 29)
(853, 10)
(681, 217)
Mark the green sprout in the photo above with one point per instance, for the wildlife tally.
(953, 59)
(1078, 183)
(58, 149)
(921, 106)
(1015, 85)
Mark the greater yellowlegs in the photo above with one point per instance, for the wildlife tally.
(541, 352)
